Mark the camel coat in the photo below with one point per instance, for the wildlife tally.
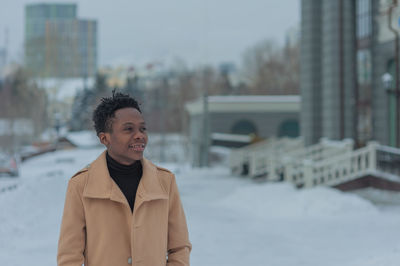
(99, 229)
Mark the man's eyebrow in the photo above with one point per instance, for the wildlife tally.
(130, 123)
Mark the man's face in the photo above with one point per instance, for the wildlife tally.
(128, 138)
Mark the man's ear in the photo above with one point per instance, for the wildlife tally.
(104, 138)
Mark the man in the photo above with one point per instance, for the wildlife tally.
(122, 209)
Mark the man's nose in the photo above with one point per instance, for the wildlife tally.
(139, 135)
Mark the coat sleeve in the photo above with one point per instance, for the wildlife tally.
(179, 246)
(71, 244)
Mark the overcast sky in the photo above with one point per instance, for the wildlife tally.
(197, 31)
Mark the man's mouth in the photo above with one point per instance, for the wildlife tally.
(137, 147)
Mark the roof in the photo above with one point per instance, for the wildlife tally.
(83, 139)
(254, 99)
(247, 104)
(63, 89)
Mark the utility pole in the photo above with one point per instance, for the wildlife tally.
(5, 46)
(205, 138)
(164, 115)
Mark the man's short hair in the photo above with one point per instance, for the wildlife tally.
(105, 111)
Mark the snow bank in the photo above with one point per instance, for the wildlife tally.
(31, 212)
(24, 206)
(390, 257)
(284, 200)
(232, 221)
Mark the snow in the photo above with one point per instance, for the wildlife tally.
(166, 147)
(231, 137)
(62, 89)
(303, 203)
(381, 197)
(255, 98)
(84, 139)
(232, 220)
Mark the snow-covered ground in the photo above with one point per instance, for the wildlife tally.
(232, 221)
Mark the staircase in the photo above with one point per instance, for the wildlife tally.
(329, 163)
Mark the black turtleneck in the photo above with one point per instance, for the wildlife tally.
(127, 177)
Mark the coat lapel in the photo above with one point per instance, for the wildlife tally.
(150, 187)
(100, 184)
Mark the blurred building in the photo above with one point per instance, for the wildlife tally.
(232, 120)
(346, 47)
(57, 43)
(118, 76)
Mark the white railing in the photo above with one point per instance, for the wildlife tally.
(334, 170)
(388, 160)
(268, 164)
(322, 150)
(253, 160)
(326, 163)
(268, 158)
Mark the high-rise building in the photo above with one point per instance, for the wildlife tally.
(57, 43)
(327, 69)
(343, 58)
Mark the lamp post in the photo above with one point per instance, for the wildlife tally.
(387, 80)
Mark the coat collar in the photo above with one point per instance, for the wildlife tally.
(101, 185)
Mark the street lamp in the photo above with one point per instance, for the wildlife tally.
(387, 80)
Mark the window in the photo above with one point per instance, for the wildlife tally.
(364, 18)
(364, 66)
(289, 128)
(244, 127)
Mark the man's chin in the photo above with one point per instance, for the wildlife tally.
(137, 156)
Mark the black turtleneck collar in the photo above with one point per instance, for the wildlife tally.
(122, 169)
(127, 177)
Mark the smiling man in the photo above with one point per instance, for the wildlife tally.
(122, 209)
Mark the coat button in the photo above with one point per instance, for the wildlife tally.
(130, 260)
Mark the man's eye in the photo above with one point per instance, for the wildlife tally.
(128, 129)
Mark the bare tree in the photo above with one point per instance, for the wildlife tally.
(270, 69)
(21, 101)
